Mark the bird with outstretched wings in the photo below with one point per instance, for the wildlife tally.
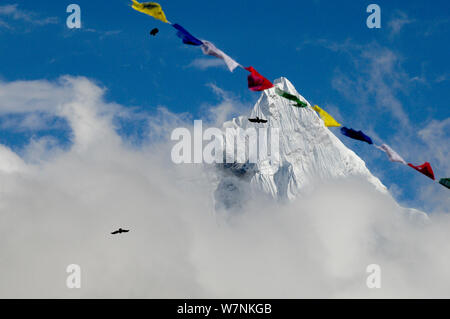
(257, 120)
(120, 231)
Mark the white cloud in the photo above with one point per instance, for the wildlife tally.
(100, 33)
(441, 78)
(436, 135)
(30, 122)
(398, 22)
(9, 9)
(58, 208)
(373, 82)
(228, 107)
(5, 25)
(13, 12)
(206, 63)
(434, 26)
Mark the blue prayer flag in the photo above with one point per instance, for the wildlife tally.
(186, 36)
(357, 135)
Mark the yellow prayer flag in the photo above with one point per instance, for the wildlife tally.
(151, 8)
(327, 118)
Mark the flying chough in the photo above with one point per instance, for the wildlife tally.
(154, 31)
(257, 120)
(119, 231)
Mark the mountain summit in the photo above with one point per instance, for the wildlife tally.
(308, 151)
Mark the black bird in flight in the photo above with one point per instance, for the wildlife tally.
(154, 31)
(119, 231)
(257, 120)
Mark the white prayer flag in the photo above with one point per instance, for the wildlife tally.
(393, 155)
(209, 49)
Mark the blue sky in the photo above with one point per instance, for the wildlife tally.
(391, 82)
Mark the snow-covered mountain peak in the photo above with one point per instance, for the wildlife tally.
(286, 85)
(308, 151)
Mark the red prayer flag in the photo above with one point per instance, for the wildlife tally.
(256, 82)
(425, 169)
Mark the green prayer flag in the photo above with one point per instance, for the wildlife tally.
(291, 97)
(445, 182)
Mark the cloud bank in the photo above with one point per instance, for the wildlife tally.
(58, 205)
